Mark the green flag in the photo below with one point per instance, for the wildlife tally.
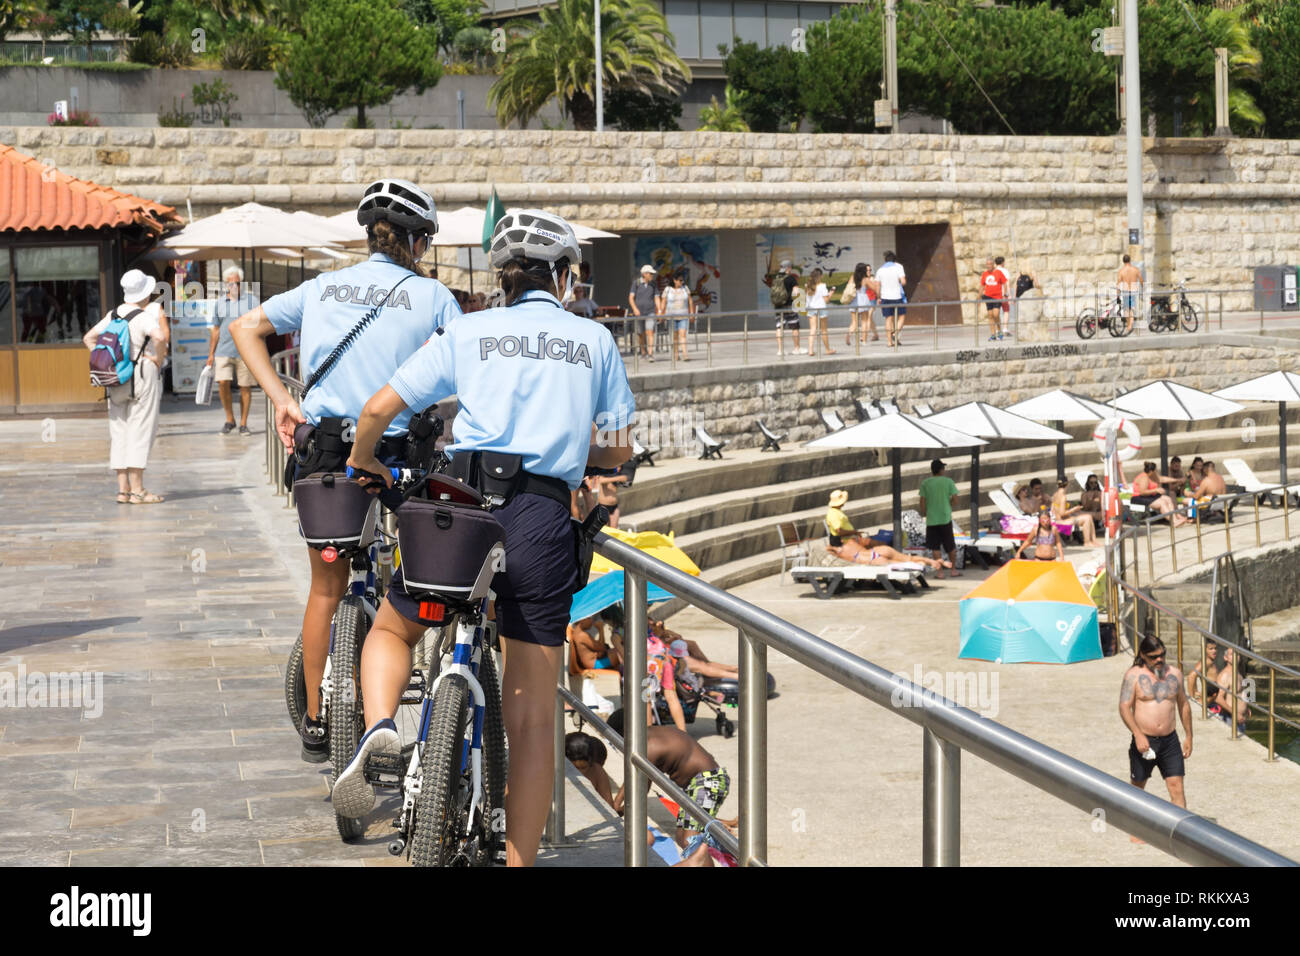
(491, 216)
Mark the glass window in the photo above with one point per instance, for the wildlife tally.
(6, 300)
(810, 13)
(715, 27)
(57, 291)
(782, 18)
(751, 22)
(684, 25)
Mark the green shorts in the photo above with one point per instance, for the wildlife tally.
(708, 789)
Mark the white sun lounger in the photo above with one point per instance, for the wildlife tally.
(1243, 475)
(906, 577)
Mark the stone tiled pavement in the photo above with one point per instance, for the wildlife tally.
(189, 609)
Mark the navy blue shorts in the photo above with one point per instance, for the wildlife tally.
(535, 592)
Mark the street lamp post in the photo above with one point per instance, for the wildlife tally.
(1133, 129)
(600, 77)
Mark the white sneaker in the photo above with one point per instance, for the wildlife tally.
(601, 705)
(352, 796)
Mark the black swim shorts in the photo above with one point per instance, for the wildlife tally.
(1169, 758)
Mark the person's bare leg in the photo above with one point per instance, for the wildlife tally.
(711, 669)
(701, 856)
(227, 401)
(135, 480)
(1141, 785)
(871, 321)
(796, 338)
(386, 662)
(650, 342)
(328, 582)
(528, 706)
(853, 327)
(245, 400)
(123, 483)
(1176, 794)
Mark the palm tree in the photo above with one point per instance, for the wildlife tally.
(554, 56)
(724, 118)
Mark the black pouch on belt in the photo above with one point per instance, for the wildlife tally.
(584, 540)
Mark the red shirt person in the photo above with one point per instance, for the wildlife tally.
(993, 287)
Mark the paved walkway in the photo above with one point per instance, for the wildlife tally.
(189, 608)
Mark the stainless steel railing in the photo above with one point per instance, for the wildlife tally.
(948, 731)
(285, 365)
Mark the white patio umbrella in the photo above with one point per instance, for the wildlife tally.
(1168, 401)
(251, 226)
(895, 432)
(342, 230)
(988, 421)
(1061, 406)
(1280, 387)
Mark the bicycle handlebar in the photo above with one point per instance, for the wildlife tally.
(391, 498)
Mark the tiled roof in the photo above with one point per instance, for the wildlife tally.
(34, 196)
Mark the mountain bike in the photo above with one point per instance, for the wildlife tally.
(370, 545)
(1167, 315)
(1111, 318)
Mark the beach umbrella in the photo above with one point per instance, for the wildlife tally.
(606, 591)
(1280, 387)
(656, 545)
(897, 431)
(988, 421)
(1061, 406)
(1030, 612)
(1168, 401)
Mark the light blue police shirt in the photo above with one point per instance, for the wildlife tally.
(227, 311)
(327, 307)
(531, 378)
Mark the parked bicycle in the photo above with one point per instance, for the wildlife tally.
(1167, 313)
(1111, 318)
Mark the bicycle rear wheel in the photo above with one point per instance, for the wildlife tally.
(295, 687)
(1117, 325)
(346, 716)
(1086, 325)
(1190, 319)
(440, 810)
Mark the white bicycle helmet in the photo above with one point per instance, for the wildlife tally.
(533, 234)
(399, 202)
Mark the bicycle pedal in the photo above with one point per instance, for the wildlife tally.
(379, 765)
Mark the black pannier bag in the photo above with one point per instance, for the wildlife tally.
(451, 546)
(335, 512)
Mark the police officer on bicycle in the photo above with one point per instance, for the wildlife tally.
(549, 388)
(358, 324)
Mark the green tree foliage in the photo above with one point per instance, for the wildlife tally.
(354, 54)
(1277, 36)
(633, 111)
(1178, 65)
(554, 58)
(723, 117)
(766, 84)
(446, 17)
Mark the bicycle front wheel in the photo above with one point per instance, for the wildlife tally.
(1190, 319)
(1117, 326)
(346, 716)
(442, 806)
(493, 812)
(1086, 325)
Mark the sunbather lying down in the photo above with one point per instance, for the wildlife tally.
(880, 554)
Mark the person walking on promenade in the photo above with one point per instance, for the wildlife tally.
(893, 300)
(679, 307)
(817, 295)
(938, 499)
(1151, 699)
(133, 407)
(643, 299)
(227, 367)
(1128, 283)
(999, 263)
(992, 286)
(865, 291)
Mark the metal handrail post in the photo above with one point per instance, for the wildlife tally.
(935, 310)
(941, 801)
(1227, 524)
(1257, 537)
(1205, 686)
(744, 341)
(1173, 543)
(1272, 750)
(1286, 513)
(634, 722)
(1200, 556)
(1151, 561)
(555, 820)
(708, 340)
(753, 748)
(1180, 644)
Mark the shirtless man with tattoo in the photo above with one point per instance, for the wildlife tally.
(1150, 702)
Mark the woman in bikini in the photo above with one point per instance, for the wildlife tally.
(879, 554)
(1076, 516)
(1148, 491)
(1045, 539)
